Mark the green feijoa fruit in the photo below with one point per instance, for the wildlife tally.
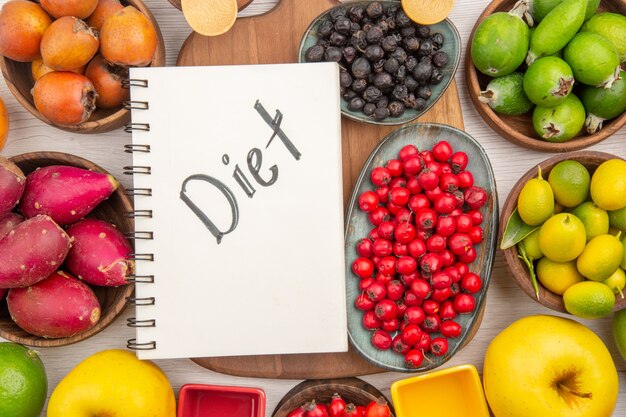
(612, 26)
(541, 8)
(557, 29)
(603, 103)
(593, 58)
(500, 44)
(505, 95)
(548, 81)
(560, 123)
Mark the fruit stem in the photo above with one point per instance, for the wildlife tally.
(486, 96)
(613, 78)
(572, 391)
(620, 292)
(539, 176)
(593, 123)
(618, 235)
(522, 10)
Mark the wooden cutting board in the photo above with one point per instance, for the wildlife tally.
(274, 38)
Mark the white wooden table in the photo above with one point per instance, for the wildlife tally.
(505, 301)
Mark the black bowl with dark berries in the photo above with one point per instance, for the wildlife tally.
(421, 235)
(391, 69)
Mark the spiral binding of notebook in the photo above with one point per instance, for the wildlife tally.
(133, 344)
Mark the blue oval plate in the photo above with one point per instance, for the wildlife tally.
(451, 46)
(424, 136)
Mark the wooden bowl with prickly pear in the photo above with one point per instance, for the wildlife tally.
(114, 210)
(519, 129)
(107, 116)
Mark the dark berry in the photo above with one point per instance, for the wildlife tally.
(325, 29)
(383, 26)
(411, 83)
(440, 59)
(349, 54)
(437, 39)
(383, 81)
(381, 113)
(337, 12)
(369, 109)
(359, 85)
(411, 44)
(423, 31)
(400, 74)
(399, 54)
(374, 53)
(361, 68)
(400, 92)
(374, 9)
(382, 102)
(356, 103)
(375, 35)
(356, 13)
(337, 39)
(424, 92)
(345, 79)
(333, 54)
(426, 47)
(436, 76)
(343, 25)
(391, 65)
(422, 72)
(402, 20)
(314, 53)
(354, 27)
(396, 108)
(349, 95)
(411, 63)
(408, 31)
(359, 40)
(420, 104)
(389, 43)
(372, 94)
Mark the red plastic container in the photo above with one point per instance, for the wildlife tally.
(199, 400)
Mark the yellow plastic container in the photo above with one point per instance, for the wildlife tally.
(451, 392)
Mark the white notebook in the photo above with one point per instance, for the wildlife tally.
(245, 208)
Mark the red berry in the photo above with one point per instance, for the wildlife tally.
(447, 311)
(430, 307)
(412, 299)
(385, 309)
(441, 294)
(418, 202)
(435, 167)
(471, 283)
(412, 165)
(424, 342)
(360, 411)
(395, 290)
(363, 267)
(407, 151)
(378, 408)
(394, 167)
(423, 234)
(459, 243)
(376, 292)
(469, 256)
(405, 233)
(401, 306)
(406, 265)
(410, 334)
(363, 303)
(387, 265)
(444, 204)
(453, 272)
(413, 185)
(431, 323)
(442, 151)
(475, 197)
(428, 180)
(459, 197)
(421, 288)
(408, 279)
(455, 289)
(477, 216)
(364, 248)
(448, 182)
(464, 223)
(383, 278)
(380, 176)
(399, 346)
(427, 156)
(403, 216)
(385, 230)
(368, 201)
(476, 234)
(397, 182)
(381, 340)
(446, 168)
(459, 161)
(440, 280)
(439, 346)
(433, 194)
(391, 325)
(430, 263)
(417, 248)
(336, 406)
(466, 179)
(462, 268)
(370, 321)
(450, 329)
(464, 303)
(366, 282)
(394, 209)
(426, 219)
(298, 412)
(445, 226)
(352, 411)
(436, 243)
(414, 358)
(383, 193)
(316, 410)
(456, 212)
(400, 249)
(414, 315)
(447, 257)
(378, 215)
(382, 247)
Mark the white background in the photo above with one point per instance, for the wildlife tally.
(505, 301)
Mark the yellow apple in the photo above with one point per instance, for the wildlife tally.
(113, 383)
(547, 366)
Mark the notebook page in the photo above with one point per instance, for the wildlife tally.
(249, 156)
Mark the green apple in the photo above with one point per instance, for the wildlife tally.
(544, 366)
